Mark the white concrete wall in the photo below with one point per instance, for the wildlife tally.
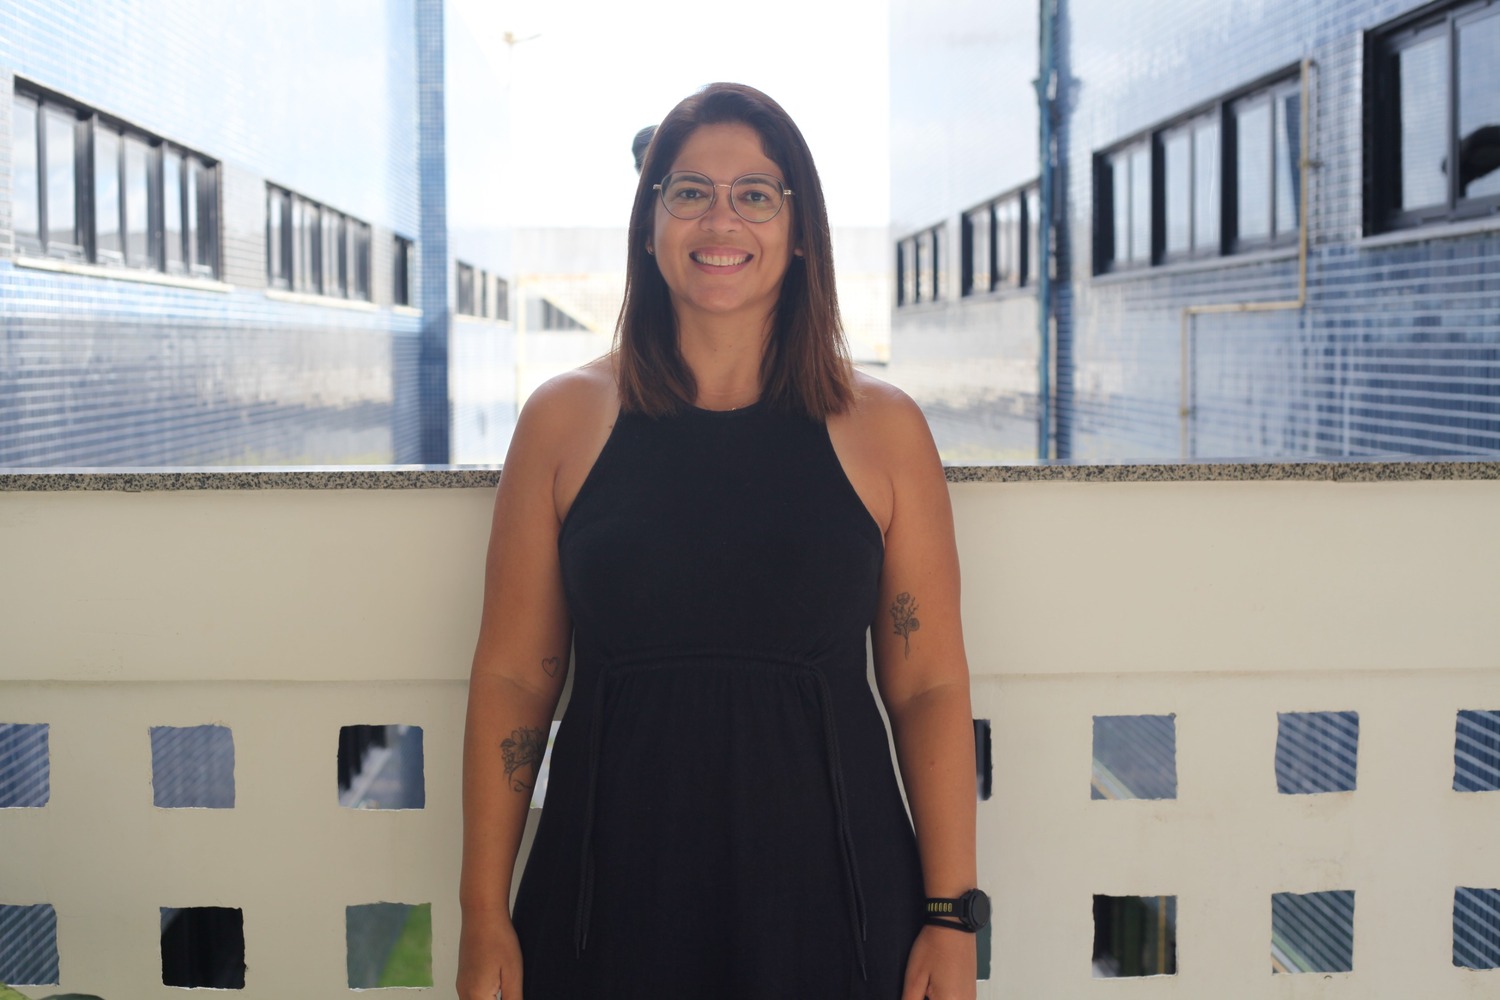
(287, 614)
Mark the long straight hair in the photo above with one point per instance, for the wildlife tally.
(806, 366)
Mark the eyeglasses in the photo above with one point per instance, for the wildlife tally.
(754, 197)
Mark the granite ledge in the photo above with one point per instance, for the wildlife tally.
(389, 477)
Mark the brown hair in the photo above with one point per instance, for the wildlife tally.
(806, 365)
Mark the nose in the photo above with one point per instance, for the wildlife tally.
(721, 215)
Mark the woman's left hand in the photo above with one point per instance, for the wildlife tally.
(942, 966)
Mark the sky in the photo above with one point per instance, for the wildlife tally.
(584, 75)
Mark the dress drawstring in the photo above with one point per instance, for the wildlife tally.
(841, 808)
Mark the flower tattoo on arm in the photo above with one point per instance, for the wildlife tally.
(522, 749)
(904, 618)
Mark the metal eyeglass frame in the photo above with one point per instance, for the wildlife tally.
(661, 192)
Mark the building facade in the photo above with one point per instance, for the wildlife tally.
(223, 236)
(1258, 249)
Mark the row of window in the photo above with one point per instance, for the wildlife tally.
(1226, 177)
(314, 249)
(86, 187)
(998, 245)
(481, 293)
(919, 266)
(1225, 180)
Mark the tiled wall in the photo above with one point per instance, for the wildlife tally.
(1398, 347)
(320, 98)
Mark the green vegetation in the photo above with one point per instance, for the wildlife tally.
(410, 963)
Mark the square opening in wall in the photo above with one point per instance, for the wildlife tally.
(388, 944)
(381, 767)
(519, 751)
(1135, 936)
(25, 766)
(28, 945)
(192, 767)
(1476, 752)
(203, 947)
(1312, 931)
(1135, 757)
(1316, 752)
(1476, 928)
(983, 770)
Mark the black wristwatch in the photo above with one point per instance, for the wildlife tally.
(968, 912)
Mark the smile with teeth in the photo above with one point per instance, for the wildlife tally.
(719, 259)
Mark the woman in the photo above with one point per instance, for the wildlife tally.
(712, 517)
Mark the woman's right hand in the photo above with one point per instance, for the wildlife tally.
(489, 958)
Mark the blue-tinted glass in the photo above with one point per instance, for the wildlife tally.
(1135, 757)
(1423, 68)
(107, 238)
(1288, 140)
(171, 208)
(28, 945)
(137, 204)
(1140, 205)
(1177, 149)
(1253, 169)
(1206, 186)
(1312, 932)
(25, 766)
(200, 214)
(1008, 242)
(1119, 166)
(1479, 106)
(192, 767)
(24, 178)
(1476, 928)
(1316, 752)
(62, 197)
(1476, 752)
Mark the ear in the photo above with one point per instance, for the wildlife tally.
(797, 251)
(650, 249)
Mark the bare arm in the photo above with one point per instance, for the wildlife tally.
(519, 665)
(923, 677)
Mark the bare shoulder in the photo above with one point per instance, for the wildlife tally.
(883, 443)
(563, 412)
(887, 421)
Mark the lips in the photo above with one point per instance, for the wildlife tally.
(719, 258)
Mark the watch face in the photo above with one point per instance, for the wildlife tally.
(979, 908)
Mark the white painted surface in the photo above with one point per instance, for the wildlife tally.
(287, 614)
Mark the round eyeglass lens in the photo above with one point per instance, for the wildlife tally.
(755, 197)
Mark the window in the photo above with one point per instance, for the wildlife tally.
(1190, 188)
(999, 244)
(1434, 101)
(401, 272)
(92, 189)
(465, 290)
(313, 249)
(502, 299)
(1267, 139)
(1125, 209)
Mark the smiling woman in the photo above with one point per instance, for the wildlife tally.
(716, 519)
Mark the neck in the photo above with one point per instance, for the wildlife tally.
(725, 359)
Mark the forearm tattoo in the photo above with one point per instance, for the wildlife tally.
(551, 665)
(904, 618)
(523, 749)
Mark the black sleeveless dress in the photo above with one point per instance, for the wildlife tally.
(722, 818)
